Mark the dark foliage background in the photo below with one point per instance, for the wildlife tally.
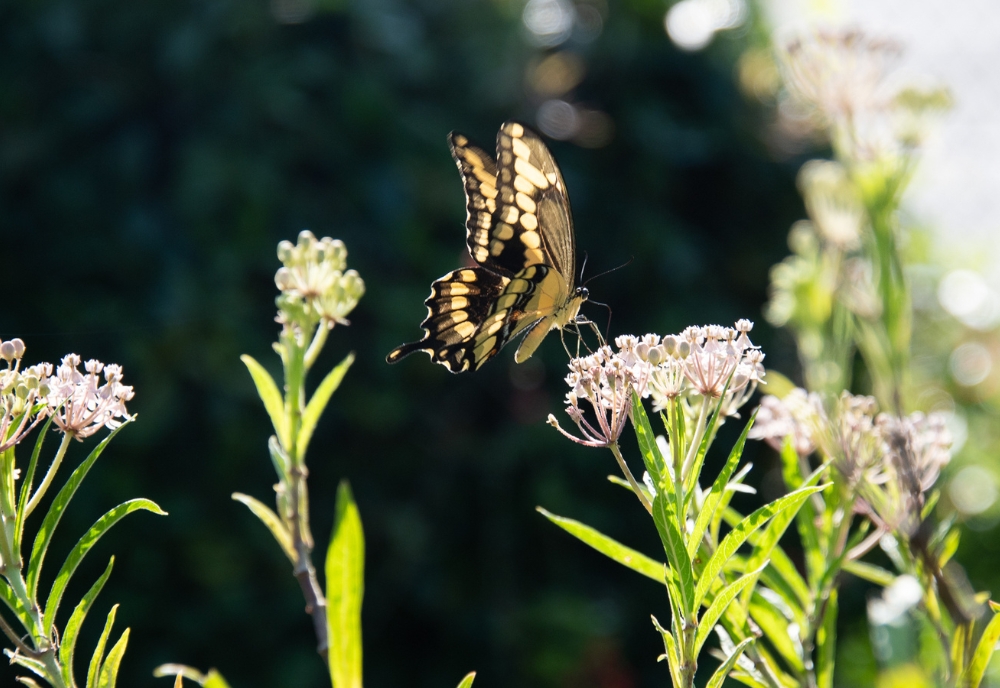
(153, 153)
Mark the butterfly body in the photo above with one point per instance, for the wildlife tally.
(520, 234)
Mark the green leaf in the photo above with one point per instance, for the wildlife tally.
(345, 569)
(84, 545)
(784, 578)
(691, 479)
(826, 643)
(651, 456)
(775, 627)
(707, 512)
(738, 535)
(97, 659)
(314, 409)
(272, 521)
(672, 653)
(44, 536)
(791, 471)
(972, 677)
(8, 596)
(665, 518)
(269, 394)
(723, 671)
(467, 681)
(26, 483)
(625, 556)
(109, 669)
(870, 572)
(214, 680)
(719, 604)
(69, 636)
(770, 536)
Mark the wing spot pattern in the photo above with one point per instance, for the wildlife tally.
(524, 202)
(531, 239)
(465, 329)
(529, 222)
(521, 149)
(504, 231)
(523, 185)
(526, 169)
(496, 248)
(510, 215)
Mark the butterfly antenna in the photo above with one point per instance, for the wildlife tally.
(608, 328)
(606, 272)
(584, 265)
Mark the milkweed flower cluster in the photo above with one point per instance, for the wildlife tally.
(697, 367)
(314, 282)
(890, 461)
(80, 403)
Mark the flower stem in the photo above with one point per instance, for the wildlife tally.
(631, 480)
(49, 475)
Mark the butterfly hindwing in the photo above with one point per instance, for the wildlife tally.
(520, 233)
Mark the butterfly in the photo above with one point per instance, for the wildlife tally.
(520, 234)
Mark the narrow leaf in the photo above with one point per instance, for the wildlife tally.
(97, 659)
(109, 670)
(672, 652)
(651, 456)
(44, 536)
(27, 483)
(467, 681)
(738, 535)
(723, 671)
(84, 545)
(870, 572)
(345, 568)
(665, 518)
(826, 643)
(69, 636)
(778, 631)
(11, 600)
(269, 394)
(314, 409)
(272, 521)
(974, 672)
(691, 479)
(625, 556)
(719, 604)
(707, 512)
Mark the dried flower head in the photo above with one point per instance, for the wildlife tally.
(313, 282)
(81, 404)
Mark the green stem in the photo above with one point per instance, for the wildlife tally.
(49, 475)
(699, 432)
(631, 480)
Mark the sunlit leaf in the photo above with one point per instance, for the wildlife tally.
(826, 643)
(651, 456)
(84, 545)
(316, 405)
(974, 672)
(672, 653)
(723, 671)
(97, 659)
(44, 536)
(272, 521)
(625, 556)
(707, 511)
(269, 394)
(345, 569)
(870, 572)
(26, 483)
(738, 535)
(467, 681)
(665, 518)
(722, 600)
(72, 630)
(109, 669)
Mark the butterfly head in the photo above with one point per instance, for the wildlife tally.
(582, 293)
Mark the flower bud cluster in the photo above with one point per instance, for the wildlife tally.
(314, 283)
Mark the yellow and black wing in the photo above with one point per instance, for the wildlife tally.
(520, 233)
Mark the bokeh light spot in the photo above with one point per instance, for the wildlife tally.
(973, 490)
(970, 364)
(549, 22)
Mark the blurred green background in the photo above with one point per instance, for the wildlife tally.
(152, 155)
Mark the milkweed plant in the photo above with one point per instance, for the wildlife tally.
(37, 401)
